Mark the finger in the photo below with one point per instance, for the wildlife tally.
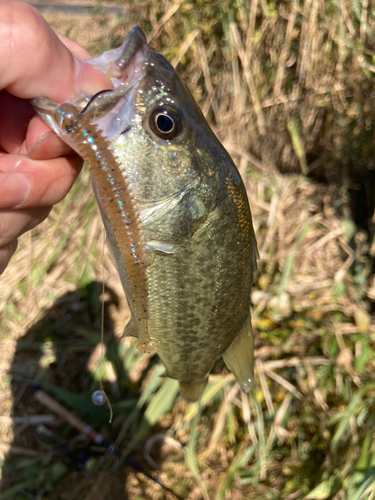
(43, 144)
(15, 114)
(28, 183)
(14, 223)
(24, 132)
(35, 62)
(18, 119)
(49, 146)
(6, 253)
(74, 47)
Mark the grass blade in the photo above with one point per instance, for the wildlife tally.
(190, 457)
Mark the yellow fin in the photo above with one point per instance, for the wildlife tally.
(134, 329)
(131, 329)
(192, 391)
(239, 357)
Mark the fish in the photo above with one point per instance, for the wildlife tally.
(175, 211)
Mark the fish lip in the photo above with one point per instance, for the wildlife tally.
(135, 41)
(116, 60)
(114, 63)
(126, 66)
(47, 108)
(43, 105)
(126, 63)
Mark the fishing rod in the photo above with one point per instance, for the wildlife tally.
(94, 436)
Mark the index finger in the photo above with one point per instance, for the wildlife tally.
(35, 62)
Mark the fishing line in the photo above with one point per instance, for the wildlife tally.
(99, 397)
(93, 99)
(94, 436)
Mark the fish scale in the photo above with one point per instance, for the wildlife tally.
(191, 267)
(192, 207)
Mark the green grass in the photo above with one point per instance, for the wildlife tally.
(288, 87)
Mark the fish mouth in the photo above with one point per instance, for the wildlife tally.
(111, 110)
(121, 64)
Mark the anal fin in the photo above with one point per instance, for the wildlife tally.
(131, 329)
(239, 357)
(192, 390)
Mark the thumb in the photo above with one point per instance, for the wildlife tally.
(34, 61)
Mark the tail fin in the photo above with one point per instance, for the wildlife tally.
(239, 357)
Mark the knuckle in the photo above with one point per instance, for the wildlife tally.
(21, 26)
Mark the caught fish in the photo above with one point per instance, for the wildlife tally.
(175, 210)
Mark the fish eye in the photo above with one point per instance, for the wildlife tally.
(165, 122)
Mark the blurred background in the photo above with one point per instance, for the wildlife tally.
(288, 87)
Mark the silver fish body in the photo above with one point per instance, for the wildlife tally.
(193, 212)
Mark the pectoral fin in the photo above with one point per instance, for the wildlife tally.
(161, 246)
(151, 211)
(239, 357)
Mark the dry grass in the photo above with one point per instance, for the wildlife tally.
(288, 87)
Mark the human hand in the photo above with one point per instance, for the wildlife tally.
(37, 169)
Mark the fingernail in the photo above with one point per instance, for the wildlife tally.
(14, 189)
(90, 79)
